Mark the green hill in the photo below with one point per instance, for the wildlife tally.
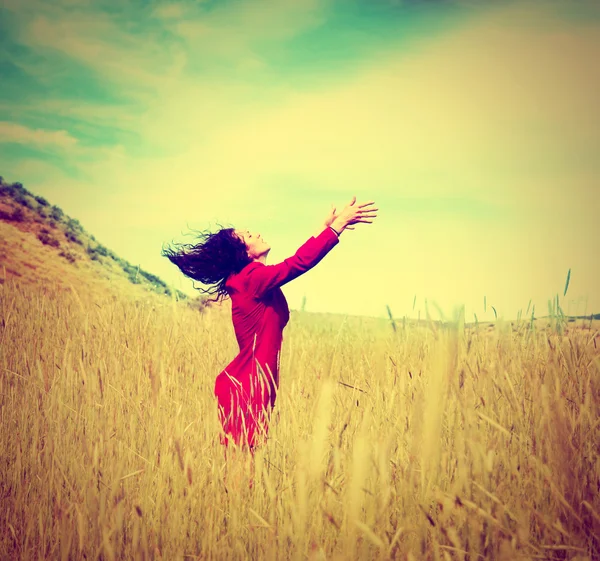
(51, 242)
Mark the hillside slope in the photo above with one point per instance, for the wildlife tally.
(39, 244)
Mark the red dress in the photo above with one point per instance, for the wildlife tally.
(247, 387)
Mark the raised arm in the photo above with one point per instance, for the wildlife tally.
(262, 278)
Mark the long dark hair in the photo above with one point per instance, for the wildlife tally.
(211, 260)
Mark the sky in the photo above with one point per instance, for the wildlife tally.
(474, 126)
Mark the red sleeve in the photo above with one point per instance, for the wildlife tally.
(262, 278)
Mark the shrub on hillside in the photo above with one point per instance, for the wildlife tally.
(68, 255)
(74, 225)
(97, 251)
(23, 200)
(91, 251)
(73, 237)
(56, 213)
(152, 278)
(46, 239)
(17, 215)
(18, 187)
(128, 267)
(18, 193)
(101, 250)
(41, 201)
(14, 190)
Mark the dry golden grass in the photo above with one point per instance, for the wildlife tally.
(23, 257)
(421, 444)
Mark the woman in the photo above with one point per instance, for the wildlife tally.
(234, 262)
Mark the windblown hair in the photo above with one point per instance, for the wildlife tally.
(211, 260)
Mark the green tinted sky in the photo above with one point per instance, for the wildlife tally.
(474, 126)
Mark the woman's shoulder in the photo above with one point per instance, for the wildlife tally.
(237, 281)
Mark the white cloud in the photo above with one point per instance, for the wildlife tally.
(175, 10)
(19, 134)
(240, 24)
(146, 63)
(138, 63)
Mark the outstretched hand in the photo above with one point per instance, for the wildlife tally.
(351, 214)
(331, 218)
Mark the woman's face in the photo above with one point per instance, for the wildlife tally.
(255, 245)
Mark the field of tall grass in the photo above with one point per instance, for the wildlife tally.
(450, 443)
